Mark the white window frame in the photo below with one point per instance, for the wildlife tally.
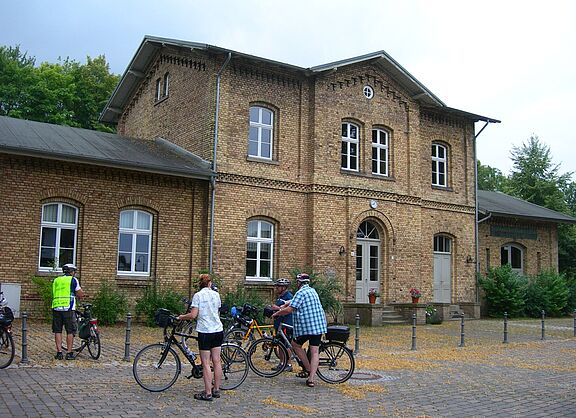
(166, 86)
(509, 248)
(346, 151)
(260, 126)
(442, 244)
(158, 89)
(259, 240)
(59, 226)
(381, 148)
(135, 232)
(436, 165)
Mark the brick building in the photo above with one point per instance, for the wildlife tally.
(253, 167)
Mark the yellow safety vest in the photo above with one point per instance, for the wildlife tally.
(61, 291)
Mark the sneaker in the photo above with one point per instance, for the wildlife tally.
(70, 356)
(59, 356)
(203, 397)
(215, 393)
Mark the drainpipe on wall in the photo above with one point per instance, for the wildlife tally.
(476, 243)
(214, 168)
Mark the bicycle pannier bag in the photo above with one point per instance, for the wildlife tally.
(339, 333)
(162, 318)
(84, 330)
(6, 316)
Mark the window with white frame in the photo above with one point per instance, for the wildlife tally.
(260, 137)
(350, 141)
(380, 140)
(513, 255)
(134, 242)
(158, 94)
(442, 244)
(439, 165)
(58, 236)
(166, 86)
(259, 248)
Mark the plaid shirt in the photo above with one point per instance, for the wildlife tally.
(309, 317)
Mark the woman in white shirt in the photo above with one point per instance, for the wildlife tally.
(206, 310)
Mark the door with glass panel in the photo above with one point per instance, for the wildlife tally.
(367, 261)
(442, 269)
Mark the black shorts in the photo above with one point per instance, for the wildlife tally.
(207, 341)
(66, 319)
(312, 339)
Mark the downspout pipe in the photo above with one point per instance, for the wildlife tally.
(214, 165)
(476, 239)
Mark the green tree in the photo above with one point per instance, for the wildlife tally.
(17, 75)
(491, 179)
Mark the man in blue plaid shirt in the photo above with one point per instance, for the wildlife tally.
(309, 325)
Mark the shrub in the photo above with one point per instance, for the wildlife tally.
(571, 299)
(547, 291)
(505, 291)
(327, 287)
(155, 299)
(109, 304)
(44, 287)
(241, 296)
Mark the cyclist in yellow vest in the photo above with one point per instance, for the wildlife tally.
(64, 291)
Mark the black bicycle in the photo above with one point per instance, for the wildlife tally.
(268, 356)
(88, 334)
(7, 348)
(157, 366)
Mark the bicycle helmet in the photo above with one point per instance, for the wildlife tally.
(282, 282)
(67, 268)
(303, 278)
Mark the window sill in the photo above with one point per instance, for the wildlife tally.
(258, 282)
(442, 188)
(132, 277)
(160, 100)
(261, 160)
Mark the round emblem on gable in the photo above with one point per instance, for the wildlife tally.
(373, 204)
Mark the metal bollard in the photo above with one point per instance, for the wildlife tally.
(24, 357)
(505, 328)
(357, 339)
(575, 322)
(462, 330)
(543, 316)
(413, 332)
(127, 343)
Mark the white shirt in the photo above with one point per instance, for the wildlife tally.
(208, 303)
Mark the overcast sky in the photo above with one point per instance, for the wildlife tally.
(510, 60)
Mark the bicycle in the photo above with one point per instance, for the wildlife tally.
(242, 331)
(157, 366)
(88, 334)
(7, 348)
(268, 356)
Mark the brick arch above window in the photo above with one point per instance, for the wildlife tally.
(138, 201)
(387, 231)
(62, 193)
(263, 213)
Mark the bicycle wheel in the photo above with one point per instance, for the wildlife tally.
(267, 357)
(156, 368)
(94, 343)
(234, 366)
(236, 336)
(336, 363)
(7, 349)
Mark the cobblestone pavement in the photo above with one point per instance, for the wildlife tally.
(528, 377)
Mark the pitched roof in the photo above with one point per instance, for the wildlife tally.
(44, 140)
(500, 204)
(146, 53)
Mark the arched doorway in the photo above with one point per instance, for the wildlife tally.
(442, 269)
(367, 260)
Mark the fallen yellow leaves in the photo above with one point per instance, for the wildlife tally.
(360, 391)
(304, 409)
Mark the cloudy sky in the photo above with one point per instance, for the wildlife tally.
(510, 60)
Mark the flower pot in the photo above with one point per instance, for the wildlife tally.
(372, 298)
(415, 300)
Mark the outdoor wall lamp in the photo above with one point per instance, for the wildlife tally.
(469, 259)
(342, 250)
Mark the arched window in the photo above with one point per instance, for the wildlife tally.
(367, 230)
(513, 255)
(58, 236)
(350, 145)
(380, 152)
(439, 165)
(134, 242)
(259, 249)
(260, 138)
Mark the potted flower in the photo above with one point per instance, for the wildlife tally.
(372, 295)
(432, 316)
(415, 293)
